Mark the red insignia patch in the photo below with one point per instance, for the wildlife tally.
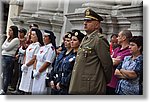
(41, 51)
(30, 49)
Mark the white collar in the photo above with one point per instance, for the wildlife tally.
(36, 43)
(48, 45)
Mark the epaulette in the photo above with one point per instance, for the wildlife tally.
(100, 36)
(105, 40)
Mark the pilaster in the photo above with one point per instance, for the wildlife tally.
(134, 14)
(14, 10)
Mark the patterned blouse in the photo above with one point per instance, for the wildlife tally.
(131, 86)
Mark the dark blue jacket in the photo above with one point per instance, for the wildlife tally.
(62, 69)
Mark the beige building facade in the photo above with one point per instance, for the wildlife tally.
(61, 16)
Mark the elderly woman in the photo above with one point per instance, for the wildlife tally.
(43, 63)
(9, 49)
(130, 71)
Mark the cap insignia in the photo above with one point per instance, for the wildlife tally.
(76, 33)
(69, 35)
(87, 12)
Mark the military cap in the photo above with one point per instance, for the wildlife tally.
(91, 15)
(68, 35)
(78, 34)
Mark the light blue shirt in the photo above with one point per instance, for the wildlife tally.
(131, 86)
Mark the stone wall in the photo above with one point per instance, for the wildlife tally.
(61, 16)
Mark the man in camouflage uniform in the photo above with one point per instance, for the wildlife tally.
(93, 66)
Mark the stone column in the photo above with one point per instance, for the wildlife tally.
(1, 19)
(48, 5)
(129, 15)
(14, 10)
(1, 36)
(134, 14)
(117, 14)
(49, 15)
(64, 27)
(122, 21)
(136, 2)
(109, 25)
(29, 7)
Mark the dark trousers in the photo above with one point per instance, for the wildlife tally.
(59, 92)
(19, 77)
(7, 69)
(110, 91)
(15, 75)
(54, 92)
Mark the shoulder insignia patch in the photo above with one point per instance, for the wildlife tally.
(100, 36)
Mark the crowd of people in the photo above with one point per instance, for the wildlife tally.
(85, 64)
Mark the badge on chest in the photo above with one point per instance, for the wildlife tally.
(87, 50)
(42, 52)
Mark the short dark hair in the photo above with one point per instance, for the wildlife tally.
(23, 30)
(33, 25)
(138, 40)
(113, 35)
(127, 33)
